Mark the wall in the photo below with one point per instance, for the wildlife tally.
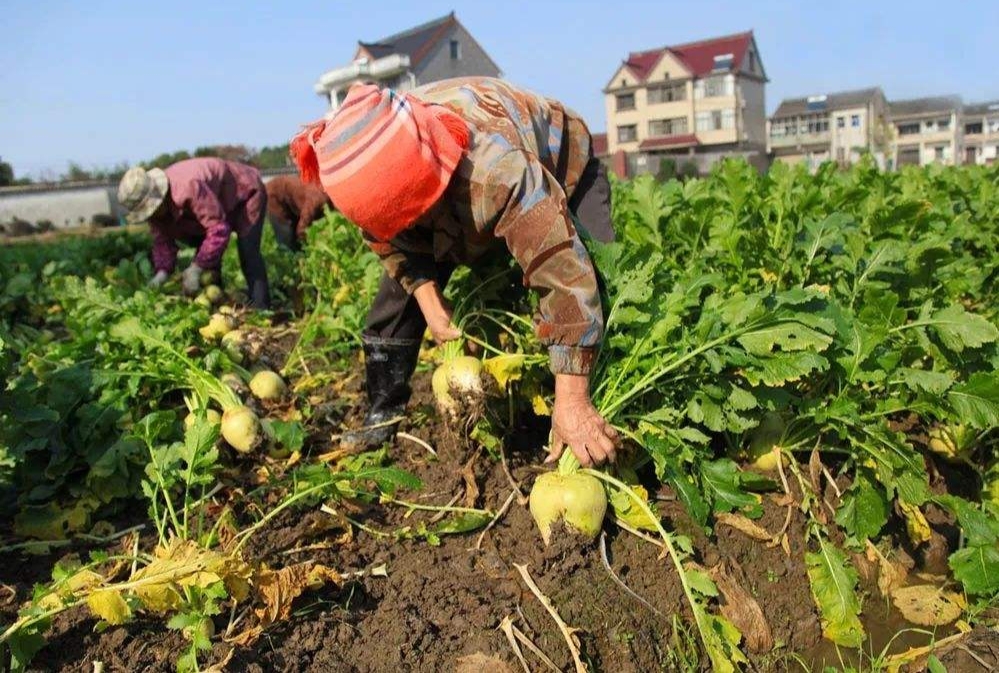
(439, 65)
(72, 205)
(754, 114)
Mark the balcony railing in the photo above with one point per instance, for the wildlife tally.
(821, 137)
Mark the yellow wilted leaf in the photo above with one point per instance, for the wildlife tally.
(83, 580)
(505, 368)
(540, 406)
(109, 605)
(627, 510)
(50, 522)
(180, 563)
(915, 523)
(927, 605)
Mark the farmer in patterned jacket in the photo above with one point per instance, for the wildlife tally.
(201, 202)
(443, 175)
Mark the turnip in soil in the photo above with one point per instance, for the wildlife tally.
(218, 326)
(241, 428)
(457, 385)
(267, 385)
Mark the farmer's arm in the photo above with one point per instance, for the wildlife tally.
(205, 206)
(531, 214)
(164, 249)
(310, 210)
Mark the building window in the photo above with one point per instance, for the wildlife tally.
(455, 50)
(625, 101)
(715, 86)
(667, 93)
(855, 121)
(908, 129)
(715, 120)
(841, 122)
(723, 62)
(627, 134)
(667, 127)
(973, 128)
(943, 124)
(939, 153)
(752, 61)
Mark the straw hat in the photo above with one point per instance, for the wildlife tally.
(141, 192)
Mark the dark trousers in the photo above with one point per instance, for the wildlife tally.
(250, 260)
(395, 315)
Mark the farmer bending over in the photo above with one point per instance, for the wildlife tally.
(201, 202)
(292, 206)
(446, 174)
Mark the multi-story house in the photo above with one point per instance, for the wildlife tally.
(927, 131)
(689, 102)
(836, 127)
(436, 50)
(981, 133)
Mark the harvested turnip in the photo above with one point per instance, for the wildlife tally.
(576, 499)
(241, 428)
(267, 385)
(458, 389)
(218, 326)
(213, 293)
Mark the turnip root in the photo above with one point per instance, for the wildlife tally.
(458, 389)
(218, 326)
(241, 429)
(213, 293)
(267, 385)
(763, 439)
(576, 499)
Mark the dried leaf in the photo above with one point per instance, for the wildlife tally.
(891, 574)
(740, 608)
(109, 605)
(744, 525)
(276, 590)
(540, 406)
(928, 605)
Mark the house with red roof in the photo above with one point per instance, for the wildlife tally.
(432, 51)
(694, 102)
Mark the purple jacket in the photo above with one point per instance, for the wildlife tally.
(209, 199)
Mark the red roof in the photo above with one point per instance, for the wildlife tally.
(697, 57)
(599, 144)
(682, 140)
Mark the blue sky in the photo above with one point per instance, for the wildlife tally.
(102, 82)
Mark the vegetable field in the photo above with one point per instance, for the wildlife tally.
(803, 369)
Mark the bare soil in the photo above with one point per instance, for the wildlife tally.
(440, 607)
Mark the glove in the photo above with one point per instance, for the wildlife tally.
(159, 279)
(191, 279)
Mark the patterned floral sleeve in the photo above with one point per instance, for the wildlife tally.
(530, 212)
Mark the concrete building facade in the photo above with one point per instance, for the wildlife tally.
(838, 127)
(694, 102)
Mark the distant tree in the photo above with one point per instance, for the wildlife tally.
(6, 174)
(667, 170)
(273, 157)
(76, 173)
(166, 159)
(240, 153)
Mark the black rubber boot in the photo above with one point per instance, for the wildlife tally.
(388, 364)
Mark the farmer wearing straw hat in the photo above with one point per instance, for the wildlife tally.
(201, 202)
(443, 175)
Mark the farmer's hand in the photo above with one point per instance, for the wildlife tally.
(436, 312)
(191, 279)
(159, 279)
(577, 423)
